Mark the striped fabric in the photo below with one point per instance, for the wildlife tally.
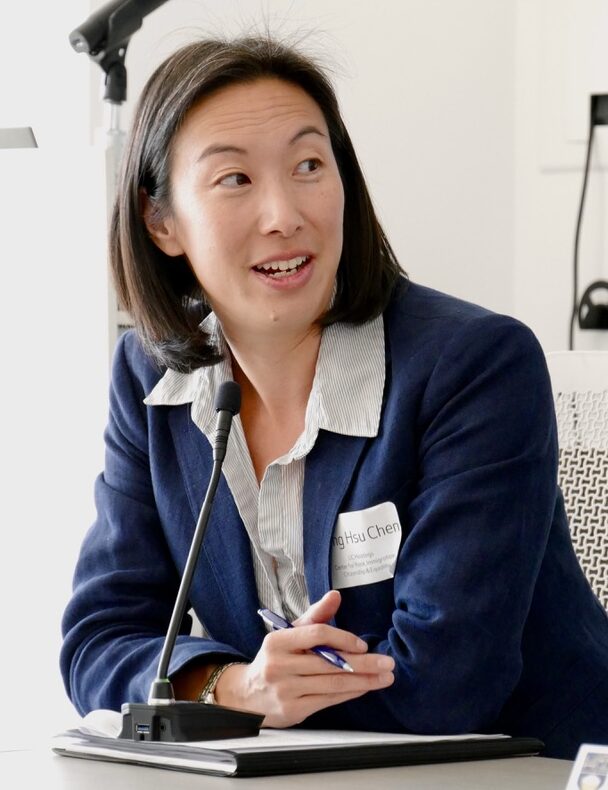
(346, 398)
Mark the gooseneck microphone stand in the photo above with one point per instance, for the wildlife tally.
(162, 718)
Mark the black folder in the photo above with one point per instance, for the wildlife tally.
(266, 761)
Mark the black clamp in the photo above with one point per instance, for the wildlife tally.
(593, 314)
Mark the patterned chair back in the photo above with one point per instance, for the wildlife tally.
(580, 391)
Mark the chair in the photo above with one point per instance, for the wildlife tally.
(580, 390)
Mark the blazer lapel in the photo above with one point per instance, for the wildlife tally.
(223, 592)
(330, 469)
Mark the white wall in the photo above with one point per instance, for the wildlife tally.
(561, 59)
(54, 354)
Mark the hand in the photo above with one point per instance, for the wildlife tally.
(287, 683)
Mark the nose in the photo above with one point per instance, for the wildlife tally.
(279, 210)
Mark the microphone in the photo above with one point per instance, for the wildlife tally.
(105, 36)
(162, 718)
(111, 25)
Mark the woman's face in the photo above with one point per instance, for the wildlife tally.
(257, 206)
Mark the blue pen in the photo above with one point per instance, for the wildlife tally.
(329, 654)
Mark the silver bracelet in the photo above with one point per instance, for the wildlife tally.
(207, 695)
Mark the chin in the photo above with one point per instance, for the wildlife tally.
(291, 322)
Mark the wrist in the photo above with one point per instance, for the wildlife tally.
(216, 678)
(228, 684)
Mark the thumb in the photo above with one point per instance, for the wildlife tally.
(322, 610)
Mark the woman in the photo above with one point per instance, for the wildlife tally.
(394, 443)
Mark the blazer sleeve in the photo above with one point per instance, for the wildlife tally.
(477, 529)
(125, 583)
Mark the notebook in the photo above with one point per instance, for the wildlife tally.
(295, 750)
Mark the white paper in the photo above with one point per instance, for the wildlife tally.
(108, 723)
(364, 546)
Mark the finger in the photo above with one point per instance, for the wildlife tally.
(343, 683)
(321, 611)
(312, 664)
(370, 663)
(307, 636)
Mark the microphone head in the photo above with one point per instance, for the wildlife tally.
(228, 397)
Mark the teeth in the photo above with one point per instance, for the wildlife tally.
(283, 266)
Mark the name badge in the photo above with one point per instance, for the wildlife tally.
(364, 546)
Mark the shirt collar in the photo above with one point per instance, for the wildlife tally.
(348, 386)
(349, 380)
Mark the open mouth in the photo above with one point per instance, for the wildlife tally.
(279, 269)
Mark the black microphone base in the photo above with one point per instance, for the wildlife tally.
(186, 721)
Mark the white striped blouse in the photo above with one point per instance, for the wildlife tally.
(346, 398)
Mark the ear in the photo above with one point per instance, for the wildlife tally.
(161, 229)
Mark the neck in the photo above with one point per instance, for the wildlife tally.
(276, 371)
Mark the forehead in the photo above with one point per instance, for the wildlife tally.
(257, 109)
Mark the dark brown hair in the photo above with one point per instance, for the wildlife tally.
(162, 294)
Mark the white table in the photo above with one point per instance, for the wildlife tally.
(42, 770)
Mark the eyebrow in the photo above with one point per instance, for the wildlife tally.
(213, 149)
(304, 131)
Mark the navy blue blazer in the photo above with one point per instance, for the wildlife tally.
(489, 618)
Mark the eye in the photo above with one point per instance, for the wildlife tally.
(309, 166)
(234, 180)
